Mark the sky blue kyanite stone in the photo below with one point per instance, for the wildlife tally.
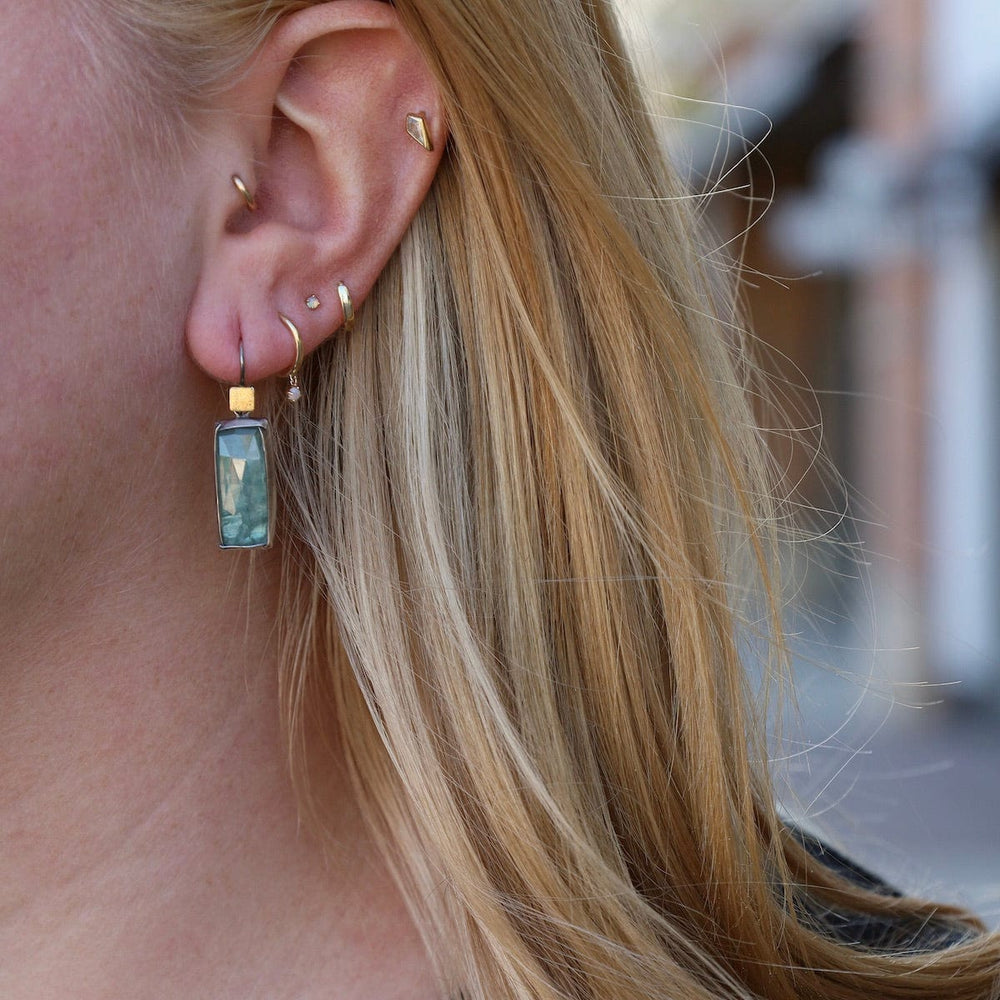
(242, 485)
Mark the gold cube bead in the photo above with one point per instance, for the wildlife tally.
(241, 398)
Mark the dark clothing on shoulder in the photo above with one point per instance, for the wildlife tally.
(865, 930)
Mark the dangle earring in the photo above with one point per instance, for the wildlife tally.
(244, 485)
(294, 391)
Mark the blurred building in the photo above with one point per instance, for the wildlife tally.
(873, 129)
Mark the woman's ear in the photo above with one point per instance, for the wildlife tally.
(337, 133)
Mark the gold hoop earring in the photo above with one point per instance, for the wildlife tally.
(347, 305)
(245, 191)
(294, 391)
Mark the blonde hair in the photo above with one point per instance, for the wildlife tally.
(530, 513)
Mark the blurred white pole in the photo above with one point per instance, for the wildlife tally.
(963, 582)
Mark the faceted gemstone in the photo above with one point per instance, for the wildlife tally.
(242, 484)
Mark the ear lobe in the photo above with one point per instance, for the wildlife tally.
(339, 179)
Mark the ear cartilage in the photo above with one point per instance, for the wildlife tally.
(416, 128)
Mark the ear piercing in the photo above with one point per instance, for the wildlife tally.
(416, 128)
(242, 397)
(294, 392)
(347, 305)
(313, 303)
(244, 484)
(245, 191)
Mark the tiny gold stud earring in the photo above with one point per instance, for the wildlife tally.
(347, 305)
(245, 191)
(294, 391)
(416, 129)
(312, 303)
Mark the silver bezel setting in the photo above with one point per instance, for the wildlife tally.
(264, 427)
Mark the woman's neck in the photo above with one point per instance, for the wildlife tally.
(150, 832)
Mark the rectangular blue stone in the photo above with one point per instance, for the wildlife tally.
(243, 484)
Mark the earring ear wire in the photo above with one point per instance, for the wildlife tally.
(242, 397)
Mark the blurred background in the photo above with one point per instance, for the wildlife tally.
(852, 152)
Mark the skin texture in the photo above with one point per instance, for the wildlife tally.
(149, 833)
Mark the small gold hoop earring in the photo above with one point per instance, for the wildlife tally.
(245, 191)
(294, 392)
(347, 305)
